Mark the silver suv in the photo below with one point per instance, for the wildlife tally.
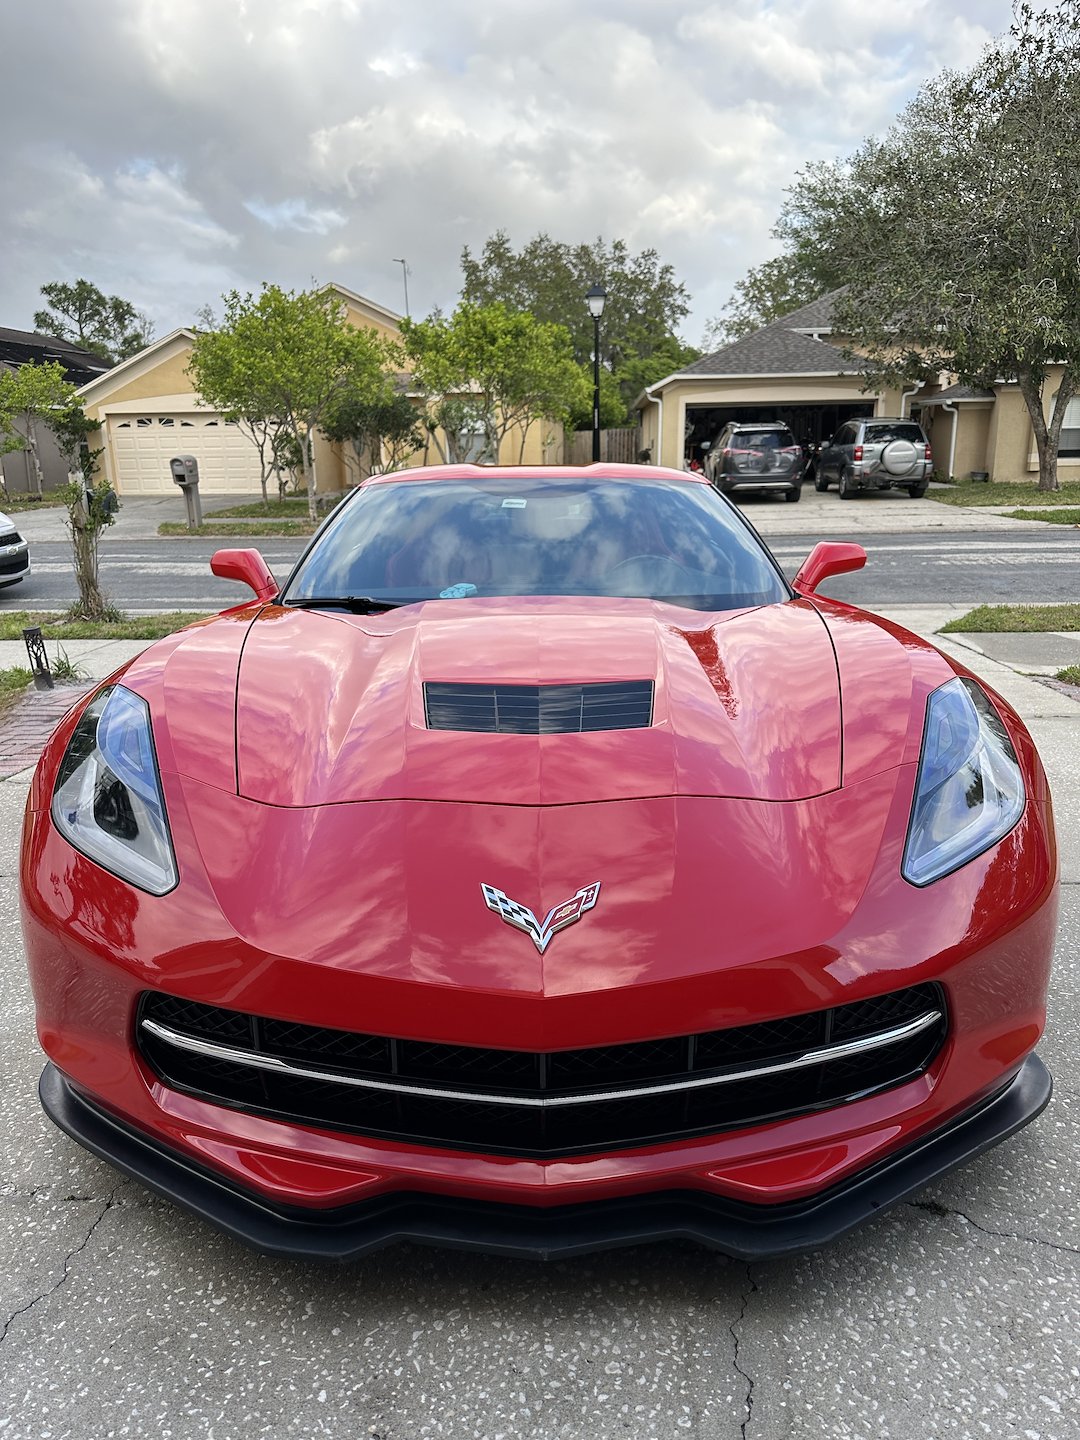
(876, 454)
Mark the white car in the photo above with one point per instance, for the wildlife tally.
(14, 553)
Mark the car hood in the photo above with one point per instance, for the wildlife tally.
(330, 707)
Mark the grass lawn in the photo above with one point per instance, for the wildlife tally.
(1071, 675)
(1061, 516)
(55, 627)
(293, 507)
(12, 683)
(10, 504)
(244, 528)
(1024, 492)
(1027, 618)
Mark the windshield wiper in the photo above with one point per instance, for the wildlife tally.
(362, 604)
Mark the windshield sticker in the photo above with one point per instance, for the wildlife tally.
(511, 503)
(458, 591)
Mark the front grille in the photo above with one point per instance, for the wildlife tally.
(10, 537)
(539, 709)
(12, 564)
(556, 1103)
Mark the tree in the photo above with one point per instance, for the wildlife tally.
(768, 292)
(490, 370)
(645, 302)
(383, 427)
(91, 506)
(85, 316)
(278, 362)
(958, 234)
(29, 396)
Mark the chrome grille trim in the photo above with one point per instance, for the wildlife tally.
(807, 1059)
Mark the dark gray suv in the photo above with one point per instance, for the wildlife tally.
(755, 457)
(876, 454)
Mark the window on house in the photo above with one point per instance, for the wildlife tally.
(144, 422)
(124, 425)
(1070, 429)
(167, 421)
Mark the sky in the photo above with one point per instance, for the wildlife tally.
(171, 150)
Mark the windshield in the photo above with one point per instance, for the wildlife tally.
(898, 430)
(410, 540)
(762, 440)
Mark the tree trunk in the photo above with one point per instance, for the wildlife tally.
(31, 445)
(92, 604)
(1047, 436)
(309, 477)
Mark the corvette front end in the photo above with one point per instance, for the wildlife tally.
(541, 924)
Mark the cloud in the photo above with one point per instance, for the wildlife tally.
(296, 215)
(235, 141)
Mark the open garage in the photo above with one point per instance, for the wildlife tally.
(809, 423)
(785, 373)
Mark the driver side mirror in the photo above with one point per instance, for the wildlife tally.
(830, 557)
(249, 567)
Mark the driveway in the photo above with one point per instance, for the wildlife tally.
(954, 1316)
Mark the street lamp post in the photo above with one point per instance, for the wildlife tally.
(594, 298)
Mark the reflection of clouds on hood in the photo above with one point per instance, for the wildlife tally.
(228, 143)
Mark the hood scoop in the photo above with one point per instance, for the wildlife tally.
(539, 709)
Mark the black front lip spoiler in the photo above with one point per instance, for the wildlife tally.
(745, 1232)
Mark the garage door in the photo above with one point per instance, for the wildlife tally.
(143, 445)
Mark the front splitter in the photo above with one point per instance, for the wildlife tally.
(745, 1232)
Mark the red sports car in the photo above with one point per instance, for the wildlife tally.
(539, 871)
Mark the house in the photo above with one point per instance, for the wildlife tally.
(26, 347)
(798, 371)
(149, 412)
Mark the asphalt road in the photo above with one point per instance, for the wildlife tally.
(940, 566)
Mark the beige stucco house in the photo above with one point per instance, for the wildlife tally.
(798, 371)
(149, 412)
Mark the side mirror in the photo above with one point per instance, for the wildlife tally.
(830, 557)
(249, 567)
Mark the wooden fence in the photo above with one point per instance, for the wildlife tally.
(617, 447)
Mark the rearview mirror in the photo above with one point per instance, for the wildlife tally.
(249, 567)
(830, 557)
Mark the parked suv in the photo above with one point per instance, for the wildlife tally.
(876, 454)
(756, 457)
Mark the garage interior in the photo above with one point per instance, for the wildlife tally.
(809, 423)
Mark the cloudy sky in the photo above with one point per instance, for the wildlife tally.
(172, 149)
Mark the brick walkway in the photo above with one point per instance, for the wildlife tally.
(30, 722)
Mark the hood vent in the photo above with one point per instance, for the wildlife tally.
(539, 709)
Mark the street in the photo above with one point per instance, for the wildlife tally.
(950, 564)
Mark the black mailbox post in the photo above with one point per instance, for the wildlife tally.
(185, 473)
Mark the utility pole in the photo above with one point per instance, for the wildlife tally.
(404, 281)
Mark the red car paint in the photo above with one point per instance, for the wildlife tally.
(748, 843)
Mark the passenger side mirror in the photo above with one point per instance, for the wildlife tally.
(830, 557)
(249, 567)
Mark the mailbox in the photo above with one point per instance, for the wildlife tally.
(185, 471)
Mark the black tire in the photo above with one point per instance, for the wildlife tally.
(916, 491)
(821, 480)
(793, 495)
(845, 489)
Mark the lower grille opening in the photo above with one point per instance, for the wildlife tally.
(530, 1104)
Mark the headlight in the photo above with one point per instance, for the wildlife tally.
(969, 791)
(108, 800)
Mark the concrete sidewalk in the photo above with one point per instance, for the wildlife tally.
(137, 519)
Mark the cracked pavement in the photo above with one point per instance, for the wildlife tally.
(953, 1317)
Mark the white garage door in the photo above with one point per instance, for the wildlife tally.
(143, 445)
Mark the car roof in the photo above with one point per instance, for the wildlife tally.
(559, 473)
(758, 425)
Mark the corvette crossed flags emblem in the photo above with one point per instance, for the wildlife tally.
(540, 933)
